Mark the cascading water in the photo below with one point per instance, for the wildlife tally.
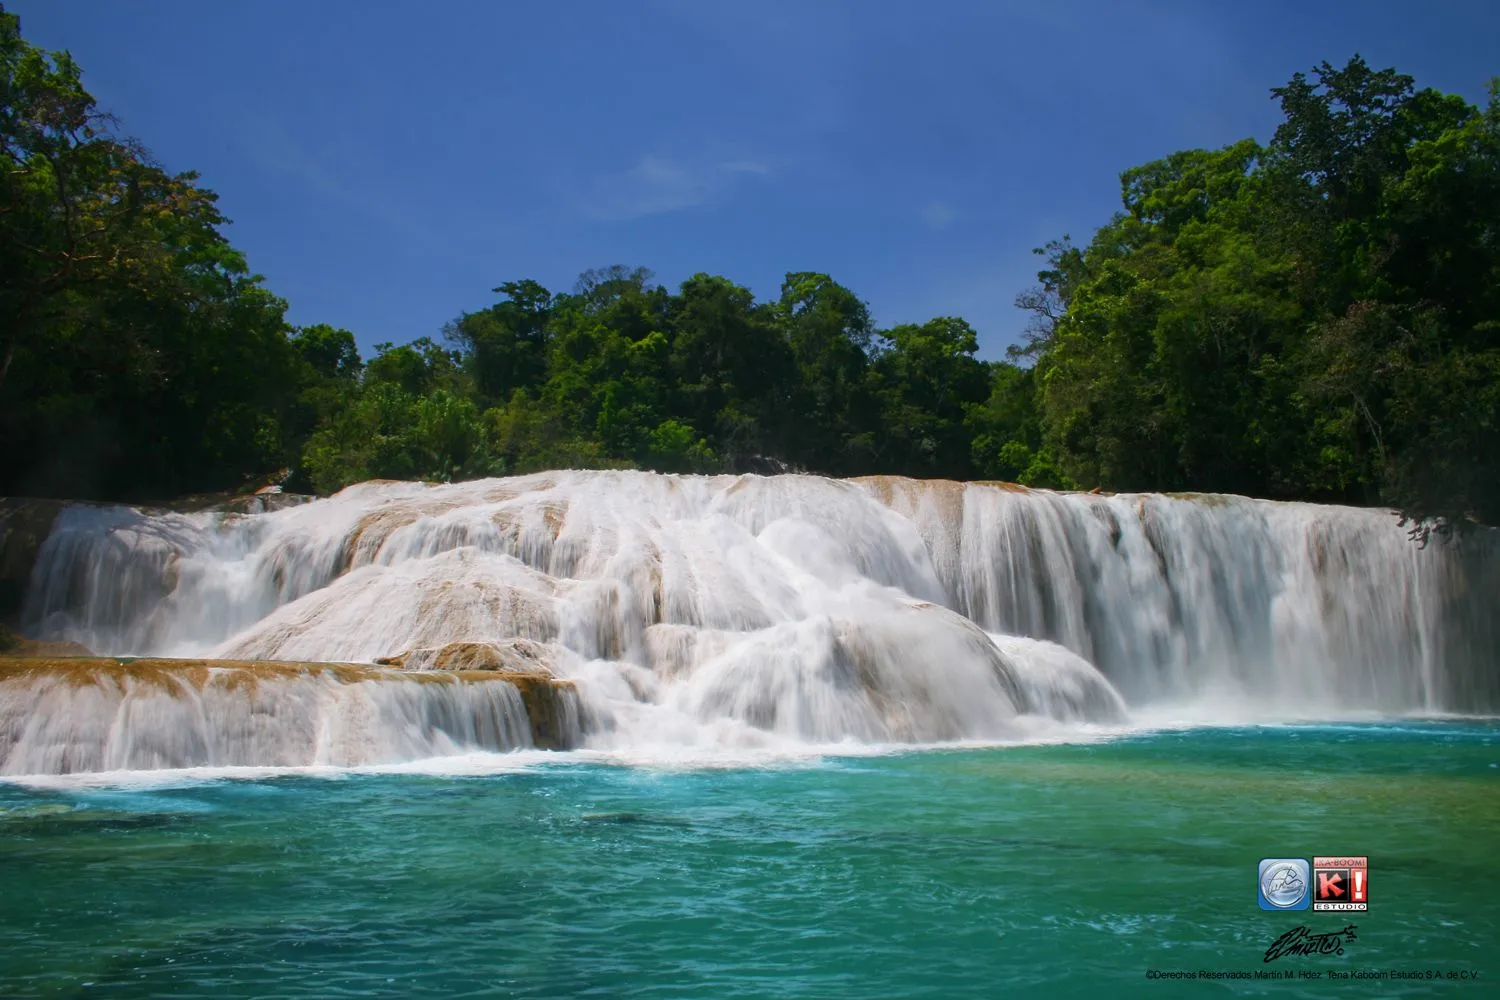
(714, 611)
(140, 716)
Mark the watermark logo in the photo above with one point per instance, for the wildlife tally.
(1302, 941)
(1341, 883)
(1284, 884)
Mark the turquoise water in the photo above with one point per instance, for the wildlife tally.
(1066, 870)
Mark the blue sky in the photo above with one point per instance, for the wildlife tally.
(387, 164)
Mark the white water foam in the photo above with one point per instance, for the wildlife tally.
(667, 757)
(749, 615)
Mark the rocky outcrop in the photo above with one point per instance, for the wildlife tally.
(553, 708)
(551, 704)
(172, 673)
(262, 502)
(13, 645)
(516, 655)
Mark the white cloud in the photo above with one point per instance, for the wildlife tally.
(658, 184)
(938, 215)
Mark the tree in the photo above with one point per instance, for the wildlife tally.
(505, 346)
(138, 355)
(732, 365)
(419, 367)
(1005, 432)
(926, 381)
(832, 340)
(330, 354)
(1312, 319)
(1316, 318)
(1414, 360)
(1047, 300)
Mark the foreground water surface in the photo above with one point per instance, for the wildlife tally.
(1062, 870)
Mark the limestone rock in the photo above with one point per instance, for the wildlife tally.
(517, 654)
(13, 645)
(551, 704)
(61, 709)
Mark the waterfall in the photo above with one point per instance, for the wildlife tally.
(756, 610)
(102, 716)
(1176, 596)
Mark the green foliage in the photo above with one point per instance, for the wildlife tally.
(418, 368)
(1317, 318)
(732, 364)
(926, 381)
(832, 400)
(673, 446)
(384, 432)
(1005, 431)
(505, 346)
(530, 436)
(330, 354)
(138, 356)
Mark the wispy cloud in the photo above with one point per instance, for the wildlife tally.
(272, 147)
(938, 216)
(658, 184)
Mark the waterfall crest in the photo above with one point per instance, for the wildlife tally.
(751, 609)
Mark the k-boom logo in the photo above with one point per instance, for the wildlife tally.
(1341, 884)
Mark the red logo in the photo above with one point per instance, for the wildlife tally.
(1341, 883)
(1333, 883)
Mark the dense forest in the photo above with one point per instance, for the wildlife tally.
(1315, 318)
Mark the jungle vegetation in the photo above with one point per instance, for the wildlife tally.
(1316, 317)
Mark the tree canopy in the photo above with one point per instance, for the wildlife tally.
(1313, 318)
(1318, 318)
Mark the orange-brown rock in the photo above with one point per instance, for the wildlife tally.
(15, 645)
(551, 704)
(517, 654)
